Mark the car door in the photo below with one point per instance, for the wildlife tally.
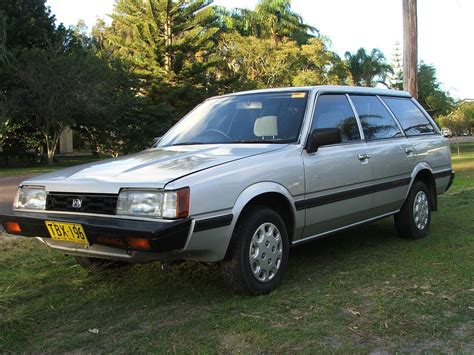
(422, 137)
(337, 176)
(392, 155)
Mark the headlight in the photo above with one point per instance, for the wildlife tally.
(30, 198)
(164, 204)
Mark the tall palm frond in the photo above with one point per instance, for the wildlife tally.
(368, 69)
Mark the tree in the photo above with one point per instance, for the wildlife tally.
(56, 88)
(271, 19)
(3, 42)
(319, 66)
(395, 78)
(368, 69)
(169, 44)
(3, 63)
(23, 24)
(98, 34)
(29, 24)
(436, 101)
(459, 121)
(44, 93)
(275, 19)
(260, 64)
(116, 119)
(65, 78)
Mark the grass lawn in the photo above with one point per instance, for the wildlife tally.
(61, 162)
(359, 291)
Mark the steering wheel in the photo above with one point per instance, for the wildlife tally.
(214, 130)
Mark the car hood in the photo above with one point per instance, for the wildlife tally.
(152, 168)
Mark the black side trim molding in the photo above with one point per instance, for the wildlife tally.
(451, 180)
(213, 222)
(344, 195)
(442, 174)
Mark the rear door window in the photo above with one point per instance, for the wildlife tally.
(334, 111)
(376, 121)
(412, 120)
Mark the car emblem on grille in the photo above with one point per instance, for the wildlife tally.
(76, 203)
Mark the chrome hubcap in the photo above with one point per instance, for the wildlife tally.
(421, 210)
(265, 252)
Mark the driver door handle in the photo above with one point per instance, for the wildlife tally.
(363, 156)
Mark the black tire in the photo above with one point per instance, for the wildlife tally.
(97, 264)
(237, 268)
(407, 225)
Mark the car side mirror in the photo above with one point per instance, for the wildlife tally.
(323, 136)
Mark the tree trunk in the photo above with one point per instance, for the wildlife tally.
(458, 145)
(50, 157)
(48, 149)
(51, 145)
(93, 143)
(168, 38)
(410, 48)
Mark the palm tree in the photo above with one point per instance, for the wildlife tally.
(368, 69)
(272, 19)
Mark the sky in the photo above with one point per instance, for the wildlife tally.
(445, 29)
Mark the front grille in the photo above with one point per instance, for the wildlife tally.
(90, 203)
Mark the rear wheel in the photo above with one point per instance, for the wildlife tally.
(97, 264)
(258, 252)
(413, 220)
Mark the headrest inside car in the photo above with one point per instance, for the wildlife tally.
(266, 126)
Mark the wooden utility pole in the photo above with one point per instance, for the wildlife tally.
(410, 48)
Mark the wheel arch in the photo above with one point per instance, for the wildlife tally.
(424, 173)
(272, 195)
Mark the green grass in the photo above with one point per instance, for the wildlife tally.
(464, 165)
(359, 291)
(60, 163)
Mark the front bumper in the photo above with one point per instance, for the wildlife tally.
(108, 237)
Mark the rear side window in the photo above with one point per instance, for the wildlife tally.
(412, 120)
(376, 121)
(334, 111)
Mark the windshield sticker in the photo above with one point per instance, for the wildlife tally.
(298, 95)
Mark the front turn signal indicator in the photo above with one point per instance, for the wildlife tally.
(182, 205)
(12, 227)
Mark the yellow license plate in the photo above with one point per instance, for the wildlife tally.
(70, 232)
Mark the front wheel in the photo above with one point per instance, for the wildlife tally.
(413, 220)
(258, 252)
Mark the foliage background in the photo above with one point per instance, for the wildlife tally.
(121, 85)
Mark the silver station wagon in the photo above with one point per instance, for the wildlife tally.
(243, 177)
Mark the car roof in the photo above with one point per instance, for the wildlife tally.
(328, 88)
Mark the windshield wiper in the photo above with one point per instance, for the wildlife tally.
(283, 141)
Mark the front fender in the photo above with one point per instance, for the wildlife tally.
(260, 188)
(212, 244)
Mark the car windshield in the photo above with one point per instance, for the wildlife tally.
(253, 118)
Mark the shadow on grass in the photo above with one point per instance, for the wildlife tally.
(337, 252)
(347, 241)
